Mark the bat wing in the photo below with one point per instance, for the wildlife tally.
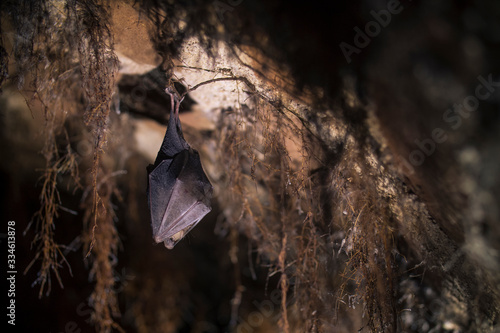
(179, 196)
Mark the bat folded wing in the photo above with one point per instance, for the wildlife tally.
(161, 182)
(179, 197)
(183, 224)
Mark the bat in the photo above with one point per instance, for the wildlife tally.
(179, 192)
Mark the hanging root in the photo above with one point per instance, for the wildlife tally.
(101, 245)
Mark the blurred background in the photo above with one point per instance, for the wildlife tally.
(353, 149)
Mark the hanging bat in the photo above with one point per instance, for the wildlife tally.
(179, 192)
